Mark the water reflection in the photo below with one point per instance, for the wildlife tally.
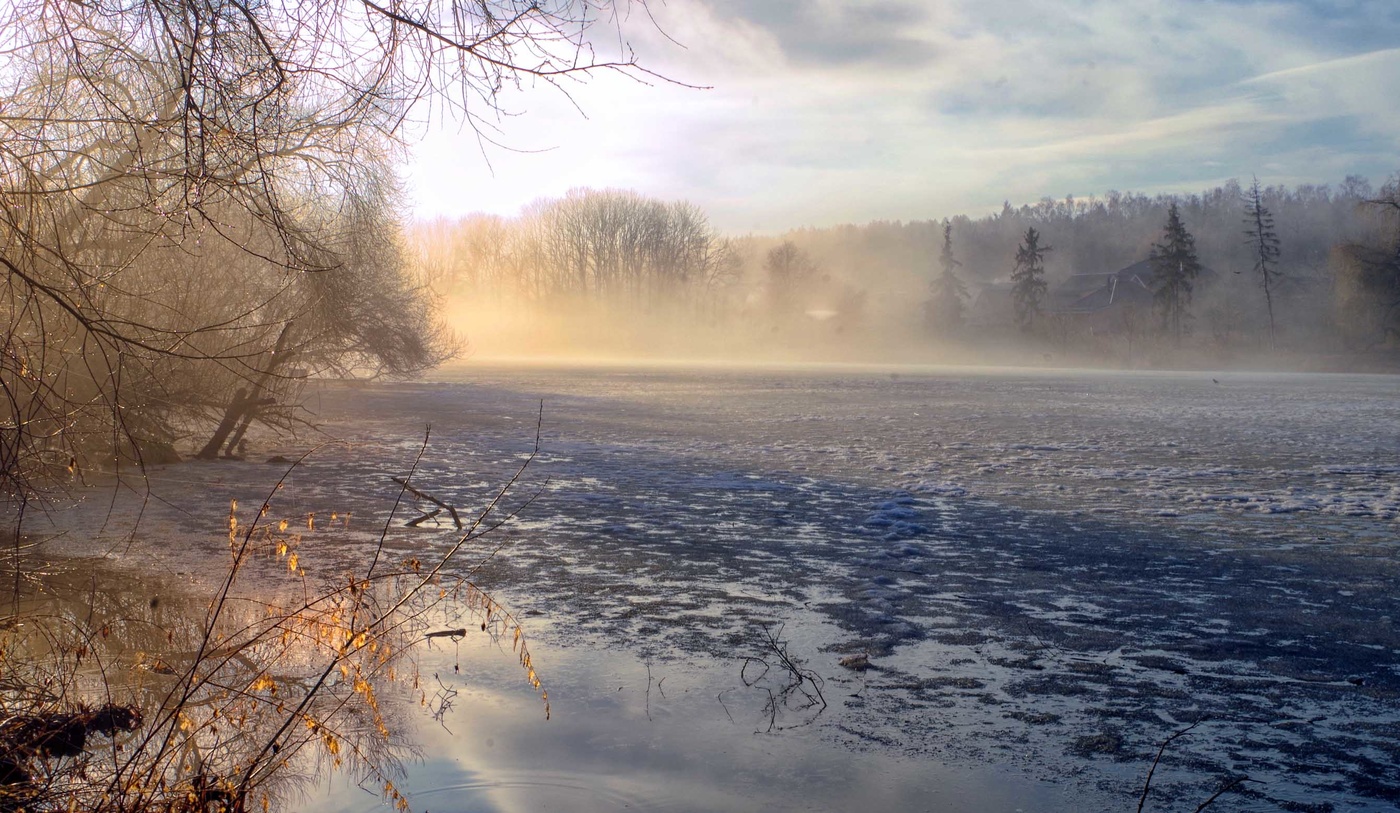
(618, 742)
(232, 697)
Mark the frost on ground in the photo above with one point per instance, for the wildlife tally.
(1052, 571)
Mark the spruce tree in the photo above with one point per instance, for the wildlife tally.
(1264, 245)
(944, 310)
(1174, 270)
(1028, 280)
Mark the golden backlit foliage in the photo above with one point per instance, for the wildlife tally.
(609, 244)
(232, 703)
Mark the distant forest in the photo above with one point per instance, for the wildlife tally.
(871, 292)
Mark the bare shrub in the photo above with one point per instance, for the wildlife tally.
(112, 703)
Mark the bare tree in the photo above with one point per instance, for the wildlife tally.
(591, 243)
(1367, 275)
(789, 270)
(193, 193)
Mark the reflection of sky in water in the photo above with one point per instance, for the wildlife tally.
(600, 752)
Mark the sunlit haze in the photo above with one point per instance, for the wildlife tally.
(819, 113)
(709, 406)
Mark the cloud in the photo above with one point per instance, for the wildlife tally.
(828, 34)
(1361, 86)
(824, 111)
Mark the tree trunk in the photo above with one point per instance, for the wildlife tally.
(232, 414)
(244, 406)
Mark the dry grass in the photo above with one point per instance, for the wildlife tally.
(232, 702)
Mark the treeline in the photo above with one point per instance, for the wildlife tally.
(1105, 234)
(1333, 289)
(1097, 234)
(606, 244)
(882, 289)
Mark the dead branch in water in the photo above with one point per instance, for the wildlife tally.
(457, 633)
(414, 523)
(800, 689)
(423, 495)
(1147, 783)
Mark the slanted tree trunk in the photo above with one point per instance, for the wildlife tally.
(245, 405)
(248, 415)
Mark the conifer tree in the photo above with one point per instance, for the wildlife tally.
(1174, 270)
(944, 310)
(1028, 280)
(1264, 246)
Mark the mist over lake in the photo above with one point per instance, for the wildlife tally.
(484, 406)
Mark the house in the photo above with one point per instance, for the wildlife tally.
(1101, 302)
(1103, 294)
(1110, 302)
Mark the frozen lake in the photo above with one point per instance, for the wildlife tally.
(1051, 571)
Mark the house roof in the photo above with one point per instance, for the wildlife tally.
(1090, 293)
(1087, 293)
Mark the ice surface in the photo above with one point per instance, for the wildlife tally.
(1052, 571)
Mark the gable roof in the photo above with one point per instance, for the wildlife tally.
(1087, 293)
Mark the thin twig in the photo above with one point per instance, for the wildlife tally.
(1147, 784)
(1236, 783)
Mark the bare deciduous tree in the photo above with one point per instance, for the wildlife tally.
(790, 270)
(196, 200)
(610, 244)
(1367, 275)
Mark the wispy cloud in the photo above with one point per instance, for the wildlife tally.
(825, 111)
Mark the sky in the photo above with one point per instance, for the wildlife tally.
(812, 113)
